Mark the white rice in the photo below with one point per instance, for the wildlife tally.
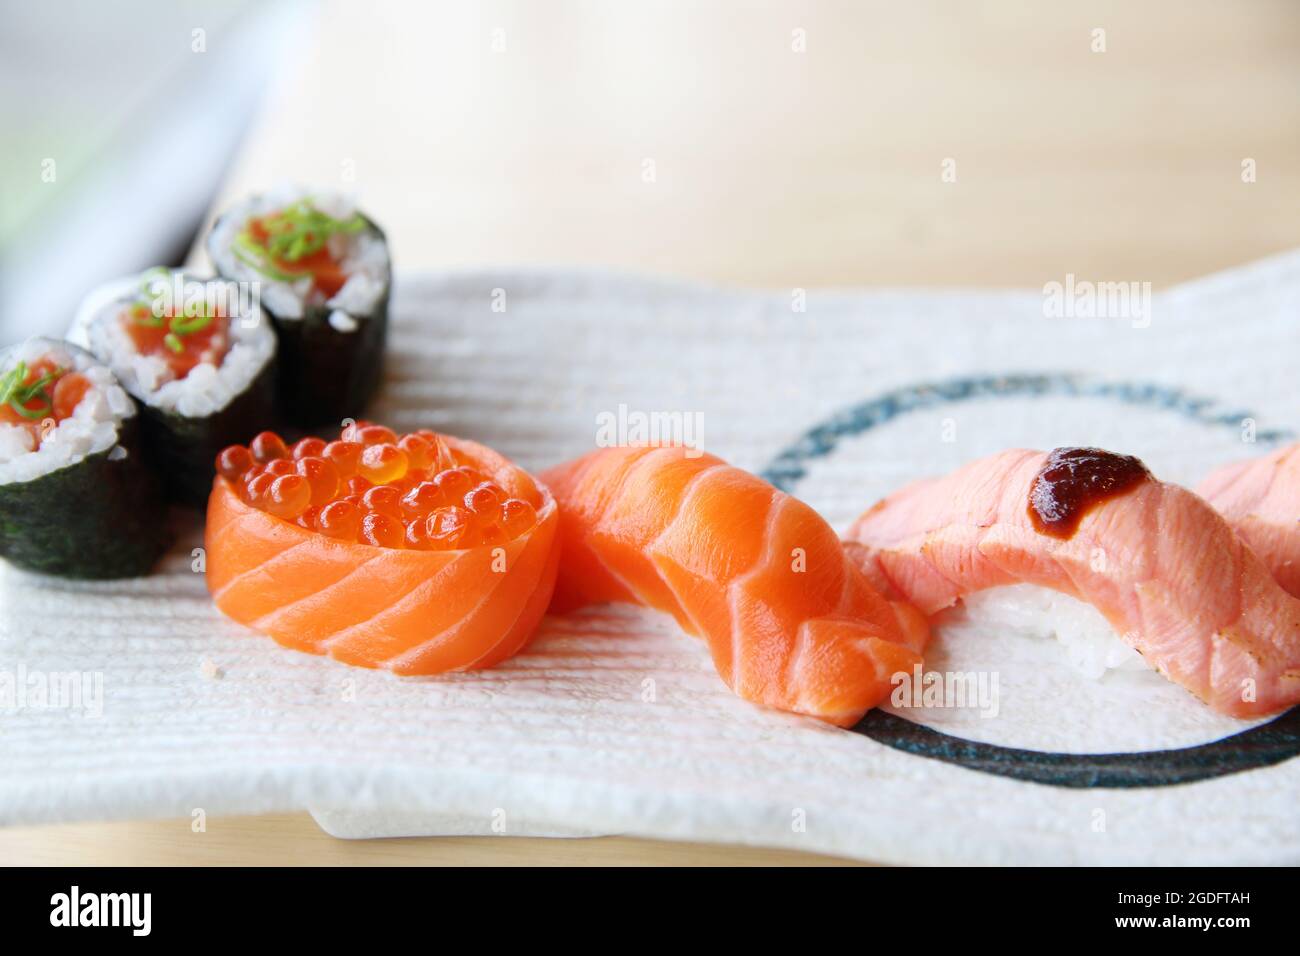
(207, 388)
(92, 427)
(363, 255)
(1091, 644)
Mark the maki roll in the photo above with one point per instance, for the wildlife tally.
(76, 498)
(198, 357)
(323, 272)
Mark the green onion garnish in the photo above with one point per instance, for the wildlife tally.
(11, 380)
(294, 233)
(32, 413)
(250, 253)
(17, 395)
(143, 313)
(188, 325)
(27, 392)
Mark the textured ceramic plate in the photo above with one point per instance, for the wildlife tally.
(613, 721)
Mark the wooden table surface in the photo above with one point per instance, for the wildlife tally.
(775, 144)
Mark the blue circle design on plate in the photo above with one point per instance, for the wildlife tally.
(1261, 746)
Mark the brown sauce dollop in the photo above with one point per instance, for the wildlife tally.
(1075, 480)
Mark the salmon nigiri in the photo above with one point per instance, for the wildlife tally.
(419, 554)
(1164, 568)
(790, 622)
(1260, 498)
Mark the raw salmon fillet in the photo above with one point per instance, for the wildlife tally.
(407, 611)
(1261, 500)
(790, 622)
(1169, 574)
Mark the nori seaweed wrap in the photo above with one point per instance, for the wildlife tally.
(76, 497)
(198, 357)
(324, 274)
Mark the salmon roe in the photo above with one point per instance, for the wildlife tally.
(378, 488)
(345, 456)
(323, 478)
(288, 496)
(308, 448)
(383, 463)
(267, 447)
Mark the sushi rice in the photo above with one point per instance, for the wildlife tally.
(1090, 643)
(332, 321)
(208, 388)
(76, 498)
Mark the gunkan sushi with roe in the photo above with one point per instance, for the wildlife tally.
(324, 273)
(198, 357)
(76, 498)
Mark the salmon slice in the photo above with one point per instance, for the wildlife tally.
(789, 621)
(407, 611)
(1260, 498)
(1169, 574)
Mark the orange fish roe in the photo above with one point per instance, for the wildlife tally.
(383, 463)
(447, 527)
(340, 519)
(288, 497)
(420, 500)
(374, 435)
(485, 500)
(375, 487)
(234, 461)
(267, 447)
(383, 499)
(516, 517)
(345, 455)
(256, 488)
(308, 448)
(417, 536)
(382, 531)
(426, 452)
(323, 478)
(356, 485)
(454, 483)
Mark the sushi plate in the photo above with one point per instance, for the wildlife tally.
(136, 698)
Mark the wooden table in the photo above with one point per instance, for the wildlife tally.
(780, 144)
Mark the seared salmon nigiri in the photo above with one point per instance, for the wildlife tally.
(1164, 568)
(1261, 500)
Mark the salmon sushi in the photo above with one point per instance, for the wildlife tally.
(1261, 500)
(199, 359)
(789, 621)
(1166, 571)
(324, 274)
(418, 554)
(76, 498)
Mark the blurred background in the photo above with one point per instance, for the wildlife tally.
(777, 143)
